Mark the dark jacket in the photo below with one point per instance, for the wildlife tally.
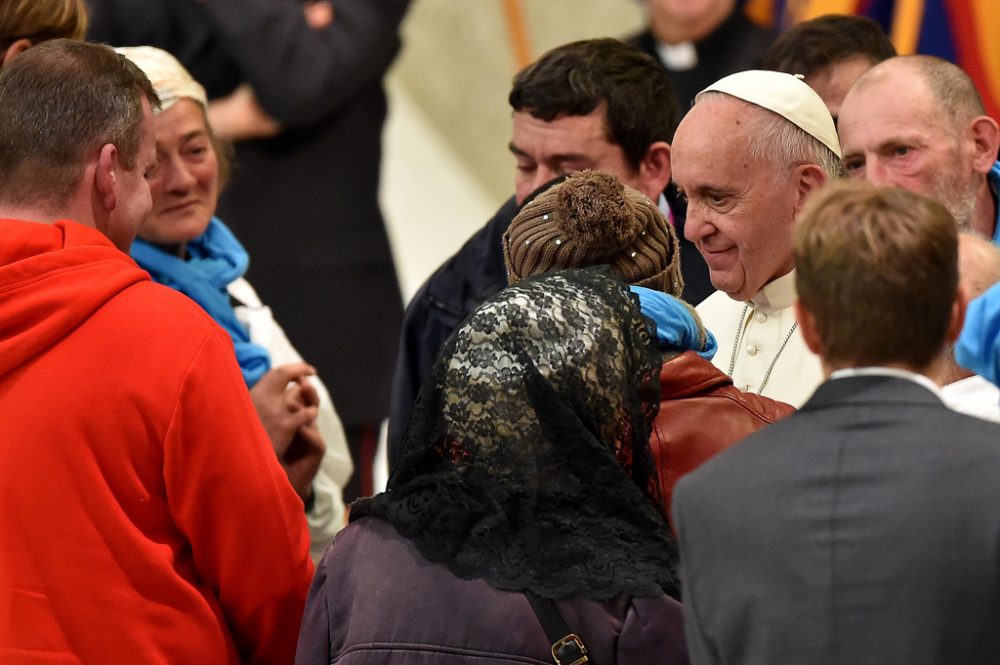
(376, 600)
(737, 44)
(864, 529)
(304, 203)
(463, 282)
(701, 414)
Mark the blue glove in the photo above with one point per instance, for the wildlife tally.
(676, 325)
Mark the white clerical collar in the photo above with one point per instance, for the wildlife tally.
(894, 372)
(777, 294)
(678, 57)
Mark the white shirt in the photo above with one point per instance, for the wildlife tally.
(974, 396)
(889, 371)
(766, 323)
(327, 515)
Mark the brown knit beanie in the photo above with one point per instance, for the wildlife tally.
(591, 219)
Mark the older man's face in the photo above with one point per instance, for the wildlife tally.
(740, 212)
(893, 134)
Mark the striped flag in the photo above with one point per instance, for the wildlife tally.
(966, 32)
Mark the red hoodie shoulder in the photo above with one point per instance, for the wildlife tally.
(55, 277)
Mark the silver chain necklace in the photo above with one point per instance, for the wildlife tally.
(736, 345)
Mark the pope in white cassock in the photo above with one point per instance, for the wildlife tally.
(747, 156)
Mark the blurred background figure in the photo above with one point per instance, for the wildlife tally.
(964, 390)
(183, 245)
(831, 52)
(526, 474)
(700, 41)
(298, 86)
(960, 31)
(24, 23)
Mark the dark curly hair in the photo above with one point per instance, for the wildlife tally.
(577, 78)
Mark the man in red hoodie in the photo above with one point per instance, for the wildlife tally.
(144, 516)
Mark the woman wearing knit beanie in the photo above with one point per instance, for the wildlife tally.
(591, 218)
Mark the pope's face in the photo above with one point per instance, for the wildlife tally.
(740, 212)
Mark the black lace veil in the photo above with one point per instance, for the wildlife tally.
(526, 462)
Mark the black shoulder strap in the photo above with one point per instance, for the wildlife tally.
(567, 647)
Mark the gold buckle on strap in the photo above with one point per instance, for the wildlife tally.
(570, 646)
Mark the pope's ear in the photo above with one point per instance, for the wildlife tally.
(809, 178)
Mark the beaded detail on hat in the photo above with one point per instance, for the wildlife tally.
(591, 219)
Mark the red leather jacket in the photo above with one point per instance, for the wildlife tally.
(702, 414)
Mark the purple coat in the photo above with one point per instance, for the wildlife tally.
(376, 600)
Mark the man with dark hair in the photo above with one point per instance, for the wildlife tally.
(862, 529)
(145, 517)
(831, 52)
(593, 104)
(918, 122)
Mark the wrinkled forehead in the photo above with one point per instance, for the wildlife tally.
(716, 126)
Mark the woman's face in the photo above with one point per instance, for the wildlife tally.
(185, 184)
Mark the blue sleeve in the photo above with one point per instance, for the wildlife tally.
(978, 346)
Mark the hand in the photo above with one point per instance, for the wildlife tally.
(240, 117)
(302, 459)
(319, 13)
(283, 405)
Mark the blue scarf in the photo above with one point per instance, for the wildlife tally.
(216, 259)
(676, 325)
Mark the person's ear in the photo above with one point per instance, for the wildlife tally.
(985, 135)
(808, 328)
(105, 178)
(808, 178)
(957, 319)
(19, 46)
(654, 169)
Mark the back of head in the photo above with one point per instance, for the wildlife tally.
(527, 456)
(577, 78)
(878, 270)
(590, 219)
(813, 45)
(60, 102)
(41, 20)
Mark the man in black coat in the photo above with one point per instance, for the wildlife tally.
(865, 527)
(593, 104)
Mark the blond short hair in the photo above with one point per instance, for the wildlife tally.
(878, 269)
(41, 20)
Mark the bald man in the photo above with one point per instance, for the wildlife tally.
(918, 122)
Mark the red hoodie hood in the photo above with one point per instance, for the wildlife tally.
(52, 278)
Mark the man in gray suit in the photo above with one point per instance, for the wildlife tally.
(866, 527)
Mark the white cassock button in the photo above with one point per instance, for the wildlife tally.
(761, 317)
(752, 349)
